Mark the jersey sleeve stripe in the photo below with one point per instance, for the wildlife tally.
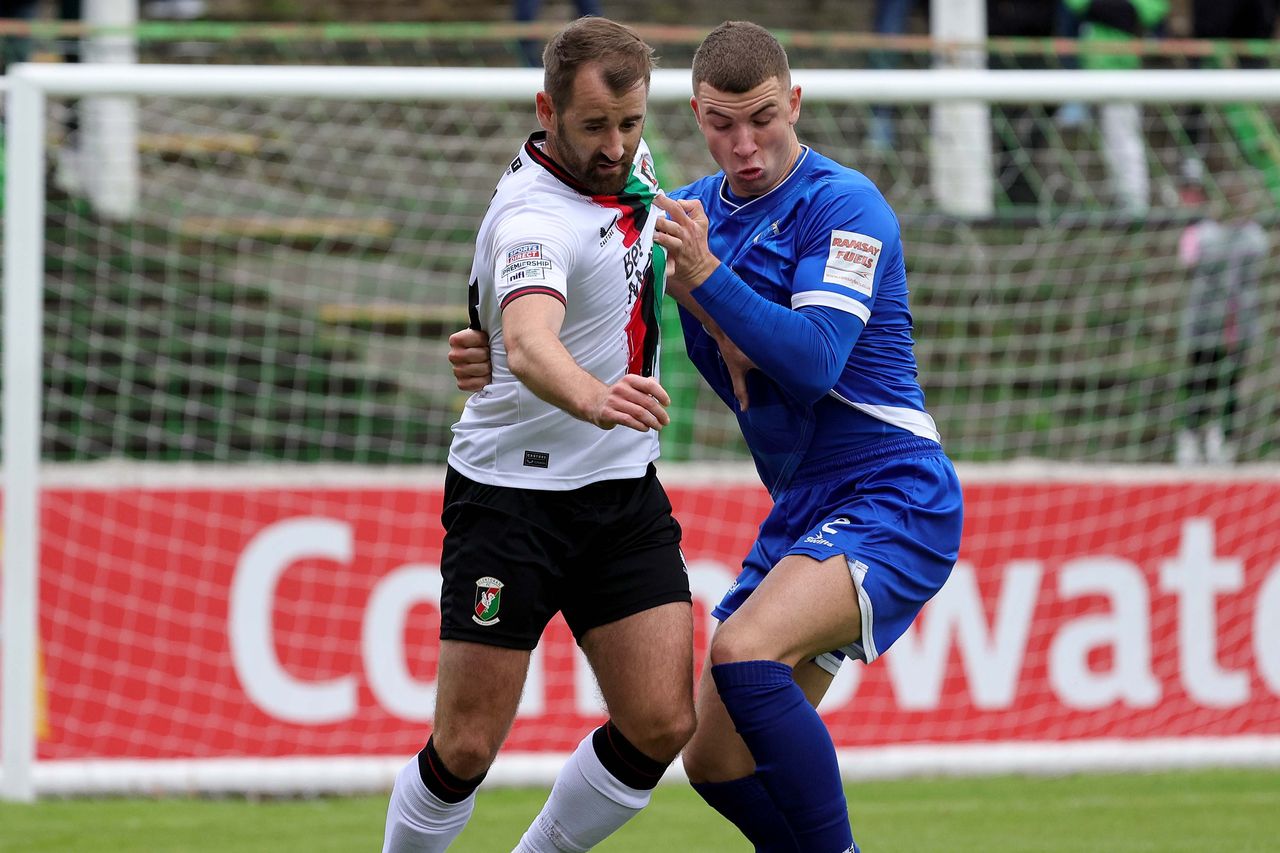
(828, 299)
(525, 291)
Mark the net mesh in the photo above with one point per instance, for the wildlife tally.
(299, 266)
(320, 250)
(280, 294)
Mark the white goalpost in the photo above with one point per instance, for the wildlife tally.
(224, 406)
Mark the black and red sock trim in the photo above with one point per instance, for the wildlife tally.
(439, 780)
(628, 764)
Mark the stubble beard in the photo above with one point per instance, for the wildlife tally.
(582, 168)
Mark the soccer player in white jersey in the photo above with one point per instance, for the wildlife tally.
(789, 271)
(551, 503)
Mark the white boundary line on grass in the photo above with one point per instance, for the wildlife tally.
(351, 775)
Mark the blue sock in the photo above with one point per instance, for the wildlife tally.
(748, 806)
(795, 758)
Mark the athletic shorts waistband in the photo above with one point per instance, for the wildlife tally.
(839, 466)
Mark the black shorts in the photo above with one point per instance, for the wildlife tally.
(514, 557)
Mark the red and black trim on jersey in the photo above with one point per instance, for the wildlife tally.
(531, 289)
(642, 326)
(634, 205)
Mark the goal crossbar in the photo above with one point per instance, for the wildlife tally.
(495, 84)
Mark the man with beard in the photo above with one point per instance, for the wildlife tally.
(551, 502)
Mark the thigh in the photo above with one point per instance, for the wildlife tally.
(802, 608)
(644, 666)
(716, 753)
(477, 692)
(898, 529)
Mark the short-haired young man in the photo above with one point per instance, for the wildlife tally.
(548, 506)
(789, 271)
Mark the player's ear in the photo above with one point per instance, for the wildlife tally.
(794, 105)
(546, 111)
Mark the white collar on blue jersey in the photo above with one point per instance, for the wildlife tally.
(726, 195)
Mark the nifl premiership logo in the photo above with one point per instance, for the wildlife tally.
(488, 600)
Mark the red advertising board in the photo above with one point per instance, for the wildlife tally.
(243, 621)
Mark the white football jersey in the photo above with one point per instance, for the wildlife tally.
(544, 233)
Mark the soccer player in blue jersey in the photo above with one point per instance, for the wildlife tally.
(794, 263)
(789, 271)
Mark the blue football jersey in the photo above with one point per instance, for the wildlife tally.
(825, 245)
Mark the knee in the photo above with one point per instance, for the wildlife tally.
(662, 736)
(466, 754)
(732, 644)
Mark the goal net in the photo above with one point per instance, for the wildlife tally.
(227, 293)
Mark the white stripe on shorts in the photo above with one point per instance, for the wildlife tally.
(865, 647)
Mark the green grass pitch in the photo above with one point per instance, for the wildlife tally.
(1226, 810)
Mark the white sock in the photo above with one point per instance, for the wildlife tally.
(417, 820)
(586, 805)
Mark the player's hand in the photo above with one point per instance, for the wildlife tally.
(738, 364)
(637, 402)
(683, 233)
(469, 355)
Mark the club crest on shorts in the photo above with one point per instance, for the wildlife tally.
(488, 600)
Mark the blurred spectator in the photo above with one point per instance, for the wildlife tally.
(526, 11)
(15, 48)
(1112, 22)
(891, 17)
(1019, 132)
(1067, 26)
(177, 10)
(1228, 19)
(183, 11)
(1224, 253)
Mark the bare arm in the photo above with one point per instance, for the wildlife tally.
(536, 356)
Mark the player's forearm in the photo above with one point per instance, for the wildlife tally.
(703, 351)
(804, 353)
(690, 304)
(540, 361)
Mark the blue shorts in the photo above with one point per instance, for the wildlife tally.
(894, 511)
